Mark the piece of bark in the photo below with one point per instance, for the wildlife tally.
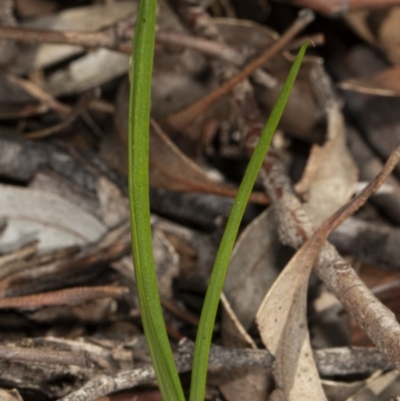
(89, 262)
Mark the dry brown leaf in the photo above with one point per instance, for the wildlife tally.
(283, 328)
(171, 169)
(252, 270)
(329, 178)
(380, 28)
(233, 333)
(374, 387)
(10, 395)
(253, 267)
(340, 391)
(384, 83)
(331, 174)
(245, 383)
(282, 315)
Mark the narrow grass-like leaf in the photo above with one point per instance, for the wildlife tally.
(209, 311)
(146, 280)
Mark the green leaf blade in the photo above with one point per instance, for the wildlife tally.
(138, 149)
(209, 311)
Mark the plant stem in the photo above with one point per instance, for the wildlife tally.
(138, 143)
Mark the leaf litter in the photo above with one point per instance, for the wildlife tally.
(66, 281)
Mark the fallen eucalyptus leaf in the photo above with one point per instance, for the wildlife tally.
(53, 221)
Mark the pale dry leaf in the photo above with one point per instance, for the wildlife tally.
(113, 204)
(89, 18)
(282, 323)
(10, 395)
(358, 21)
(340, 391)
(241, 383)
(381, 29)
(52, 220)
(245, 383)
(281, 317)
(375, 386)
(89, 71)
(329, 180)
(331, 174)
(295, 373)
(389, 34)
(253, 268)
(233, 333)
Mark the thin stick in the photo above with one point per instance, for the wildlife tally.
(339, 361)
(182, 119)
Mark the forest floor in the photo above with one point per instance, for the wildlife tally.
(312, 322)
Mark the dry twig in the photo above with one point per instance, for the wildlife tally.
(336, 361)
(180, 120)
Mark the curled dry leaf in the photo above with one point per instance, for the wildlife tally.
(273, 318)
(282, 322)
(330, 176)
(170, 168)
